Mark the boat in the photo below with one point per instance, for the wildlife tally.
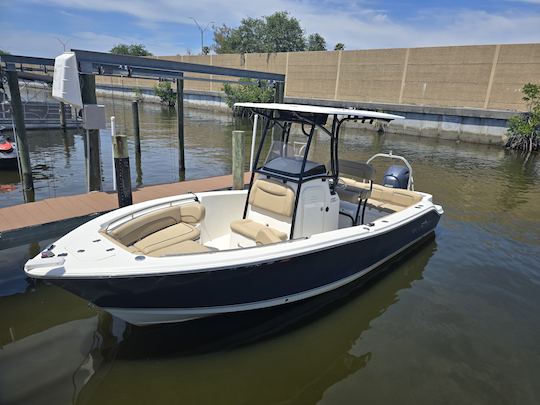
(8, 153)
(301, 228)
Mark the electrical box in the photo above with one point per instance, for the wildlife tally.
(93, 116)
(66, 86)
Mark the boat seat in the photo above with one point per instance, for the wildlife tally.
(141, 227)
(272, 199)
(167, 237)
(258, 232)
(387, 198)
(181, 248)
(267, 236)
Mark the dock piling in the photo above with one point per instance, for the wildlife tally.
(238, 159)
(136, 127)
(88, 92)
(122, 172)
(180, 122)
(17, 112)
(62, 115)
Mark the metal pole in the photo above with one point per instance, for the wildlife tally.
(180, 123)
(238, 159)
(123, 176)
(62, 115)
(23, 151)
(113, 133)
(88, 92)
(253, 137)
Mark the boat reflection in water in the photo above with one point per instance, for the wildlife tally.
(244, 356)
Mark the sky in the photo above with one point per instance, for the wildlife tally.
(39, 27)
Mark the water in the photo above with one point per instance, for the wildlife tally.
(453, 321)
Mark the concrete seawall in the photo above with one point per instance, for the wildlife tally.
(472, 125)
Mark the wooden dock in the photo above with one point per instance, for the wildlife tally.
(37, 220)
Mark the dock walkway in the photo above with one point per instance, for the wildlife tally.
(35, 220)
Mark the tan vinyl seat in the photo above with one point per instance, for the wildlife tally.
(164, 230)
(387, 198)
(182, 248)
(266, 236)
(250, 229)
(272, 198)
(140, 227)
(166, 237)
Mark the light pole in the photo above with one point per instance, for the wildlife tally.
(202, 31)
(63, 43)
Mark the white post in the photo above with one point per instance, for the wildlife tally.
(113, 133)
(253, 136)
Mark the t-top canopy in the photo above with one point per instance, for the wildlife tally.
(315, 109)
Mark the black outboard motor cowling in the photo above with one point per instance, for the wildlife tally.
(396, 177)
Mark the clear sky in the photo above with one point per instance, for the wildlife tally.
(36, 27)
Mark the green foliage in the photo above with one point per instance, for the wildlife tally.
(340, 46)
(2, 52)
(248, 93)
(316, 42)
(133, 50)
(278, 32)
(138, 94)
(524, 129)
(165, 92)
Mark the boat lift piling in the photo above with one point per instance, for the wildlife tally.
(62, 111)
(17, 110)
(136, 127)
(180, 124)
(122, 172)
(93, 164)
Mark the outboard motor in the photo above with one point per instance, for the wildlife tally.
(396, 177)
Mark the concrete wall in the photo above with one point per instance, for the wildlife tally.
(483, 76)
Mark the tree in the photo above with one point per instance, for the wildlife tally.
(248, 91)
(2, 52)
(524, 129)
(340, 46)
(283, 33)
(278, 32)
(316, 42)
(165, 93)
(133, 50)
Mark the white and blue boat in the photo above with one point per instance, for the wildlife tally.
(302, 228)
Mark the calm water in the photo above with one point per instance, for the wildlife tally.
(456, 320)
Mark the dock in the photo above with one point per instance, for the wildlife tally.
(39, 220)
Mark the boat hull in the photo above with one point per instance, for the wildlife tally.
(8, 163)
(182, 296)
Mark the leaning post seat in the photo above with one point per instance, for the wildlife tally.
(162, 232)
(387, 198)
(271, 202)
